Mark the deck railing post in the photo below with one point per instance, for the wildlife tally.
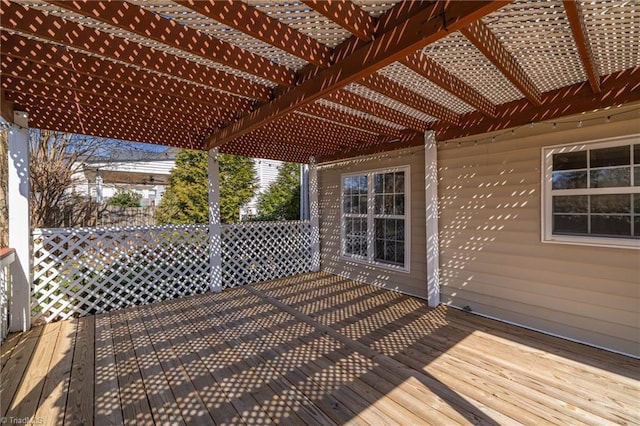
(215, 237)
(19, 231)
(431, 206)
(314, 210)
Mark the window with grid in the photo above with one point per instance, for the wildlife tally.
(375, 217)
(592, 193)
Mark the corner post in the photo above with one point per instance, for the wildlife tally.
(19, 227)
(215, 237)
(304, 192)
(314, 211)
(431, 206)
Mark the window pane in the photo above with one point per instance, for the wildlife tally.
(570, 160)
(571, 204)
(388, 183)
(388, 204)
(378, 208)
(570, 224)
(362, 184)
(614, 203)
(607, 157)
(378, 183)
(636, 226)
(611, 225)
(636, 203)
(347, 204)
(636, 176)
(363, 204)
(399, 183)
(379, 250)
(569, 180)
(607, 178)
(400, 253)
(400, 229)
(399, 204)
(636, 154)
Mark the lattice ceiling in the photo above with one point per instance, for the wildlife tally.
(293, 79)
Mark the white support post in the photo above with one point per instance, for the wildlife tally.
(431, 205)
(314, 211)
(215, 238)
(19, 231)
(304, 193)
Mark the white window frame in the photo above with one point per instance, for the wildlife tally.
(371, 216)
(548, 192)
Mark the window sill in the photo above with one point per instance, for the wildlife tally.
(594, 242)
(402, 269)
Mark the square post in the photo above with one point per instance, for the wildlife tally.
(215, 237)
(19, 227)
(304, 192)
(314, 211)
(431, 206)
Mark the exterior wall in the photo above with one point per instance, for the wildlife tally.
(491, 255)
(415, 281)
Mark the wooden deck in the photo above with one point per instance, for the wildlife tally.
(312, 349)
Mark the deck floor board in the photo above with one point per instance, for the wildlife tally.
(310, 349)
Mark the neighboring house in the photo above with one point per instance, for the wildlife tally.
(142, 172)
(266, 173)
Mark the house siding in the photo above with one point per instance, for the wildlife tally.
(492, 259)
(413, 282)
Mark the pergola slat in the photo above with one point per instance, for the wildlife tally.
(147, 24)
(346, 14)
(48, 54)
(397, 92)
(581, 37)
(486, 42)
(438, 75)
(427, 26)
(384, 144)
(29, 21)
(261, 26)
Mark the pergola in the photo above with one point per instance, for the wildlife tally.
(329, 79)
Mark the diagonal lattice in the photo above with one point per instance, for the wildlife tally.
(84, 271)
(264, 251)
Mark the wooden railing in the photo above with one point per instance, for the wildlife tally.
(7, 257)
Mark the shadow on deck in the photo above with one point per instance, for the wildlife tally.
(311, 349)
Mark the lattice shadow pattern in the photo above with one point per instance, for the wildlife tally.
(84, 271)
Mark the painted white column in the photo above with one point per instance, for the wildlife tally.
(19, 231)
(304, 192)
(215, 239)
(314, 211)
(431, 205)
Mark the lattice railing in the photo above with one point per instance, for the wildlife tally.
(261, 251)
(83, 271)
(7, 257)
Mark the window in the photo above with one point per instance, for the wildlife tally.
(592, 193)
(375, 219)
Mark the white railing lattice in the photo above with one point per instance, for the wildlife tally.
(83, 271)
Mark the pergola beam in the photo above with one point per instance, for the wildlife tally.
(441, 77)
(261, 26)
(581, 37)
(16, 17)
(618, 88)
(486, 42)
(142, 22)
(346, 14)
(423, 28)
(399, 93)
(16, 46)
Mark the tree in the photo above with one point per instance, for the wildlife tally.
(281, 200)
(187, 197)
(54, 160)
(125, 199)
